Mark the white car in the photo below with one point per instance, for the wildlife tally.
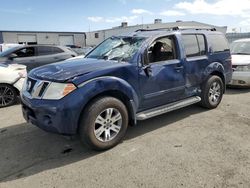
(6, 46)
(11, 81)
(240, 50)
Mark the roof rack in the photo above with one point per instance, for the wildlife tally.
(194, 28)
(176, 28)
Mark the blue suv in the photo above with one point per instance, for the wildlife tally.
(125, 79)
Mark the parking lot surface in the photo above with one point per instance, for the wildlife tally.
(190, 147)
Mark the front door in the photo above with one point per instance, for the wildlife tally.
(162, 80)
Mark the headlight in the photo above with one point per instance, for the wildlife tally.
(243, 68)
(58, 90)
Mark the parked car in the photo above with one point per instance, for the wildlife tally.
(11, 81)
(125, 79)
(6, 46)
(36, 55)
(80, 50)
(240, 50)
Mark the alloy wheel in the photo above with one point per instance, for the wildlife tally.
(7, 96)
(108, 124)
(214, 92)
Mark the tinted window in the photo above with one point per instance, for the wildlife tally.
(219, 43)
(48, 50)
(191, 45)
(25, 52)
(57, 50)
(201, 42)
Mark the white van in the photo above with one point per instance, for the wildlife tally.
(6, 46)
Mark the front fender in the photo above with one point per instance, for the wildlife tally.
(108, 83)
(93, 87)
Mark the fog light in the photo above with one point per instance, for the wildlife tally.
(241, 82)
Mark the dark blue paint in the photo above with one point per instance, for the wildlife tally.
(167, 83)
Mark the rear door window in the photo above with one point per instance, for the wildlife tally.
(48, 50)
(191, 45)
(194, 45)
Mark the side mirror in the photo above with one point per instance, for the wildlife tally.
(210, 50)
(148, 70)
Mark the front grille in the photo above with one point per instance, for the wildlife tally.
(44, 87)
(36, 88)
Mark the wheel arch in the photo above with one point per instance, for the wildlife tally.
(118, 95)
(110, 87)
(217, 69)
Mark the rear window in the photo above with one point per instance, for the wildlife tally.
(194, 45)
(48, 50)
(219, 43)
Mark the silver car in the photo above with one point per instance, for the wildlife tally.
(240, 50)
(35, 55)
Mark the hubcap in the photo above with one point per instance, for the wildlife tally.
(6, 96)
(214, 93)
(108, 124)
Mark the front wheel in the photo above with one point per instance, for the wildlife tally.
(212, 92)
(104, 123)
(8, 95)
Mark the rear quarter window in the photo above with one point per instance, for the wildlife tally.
(219, 43)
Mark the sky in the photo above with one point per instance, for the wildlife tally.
(91, 15)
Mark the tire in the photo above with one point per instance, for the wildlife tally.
(8, 95)
(104, 123)
(212, 92)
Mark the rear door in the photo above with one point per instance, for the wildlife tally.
(26, 56)
(49, 54)
(196, 59)
(162, 80)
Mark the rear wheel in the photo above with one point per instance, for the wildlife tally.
(104, 123)
(212, 92)
(8, 95)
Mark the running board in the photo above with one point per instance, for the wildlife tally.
(167, 108)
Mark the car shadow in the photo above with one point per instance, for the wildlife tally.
(26, 150)
(237, 90)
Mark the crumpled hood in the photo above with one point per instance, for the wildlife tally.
(68, 69)
(240, 59)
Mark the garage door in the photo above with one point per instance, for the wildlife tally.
(66, 40)
(27, 39)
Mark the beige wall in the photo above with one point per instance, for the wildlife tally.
(44, 38)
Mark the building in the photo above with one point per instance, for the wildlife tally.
(235, 36)
(43, 37)
(95, 37)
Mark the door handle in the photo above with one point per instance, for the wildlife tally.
(178, 68)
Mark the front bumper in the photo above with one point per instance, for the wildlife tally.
(57, 116)
(240, 79)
